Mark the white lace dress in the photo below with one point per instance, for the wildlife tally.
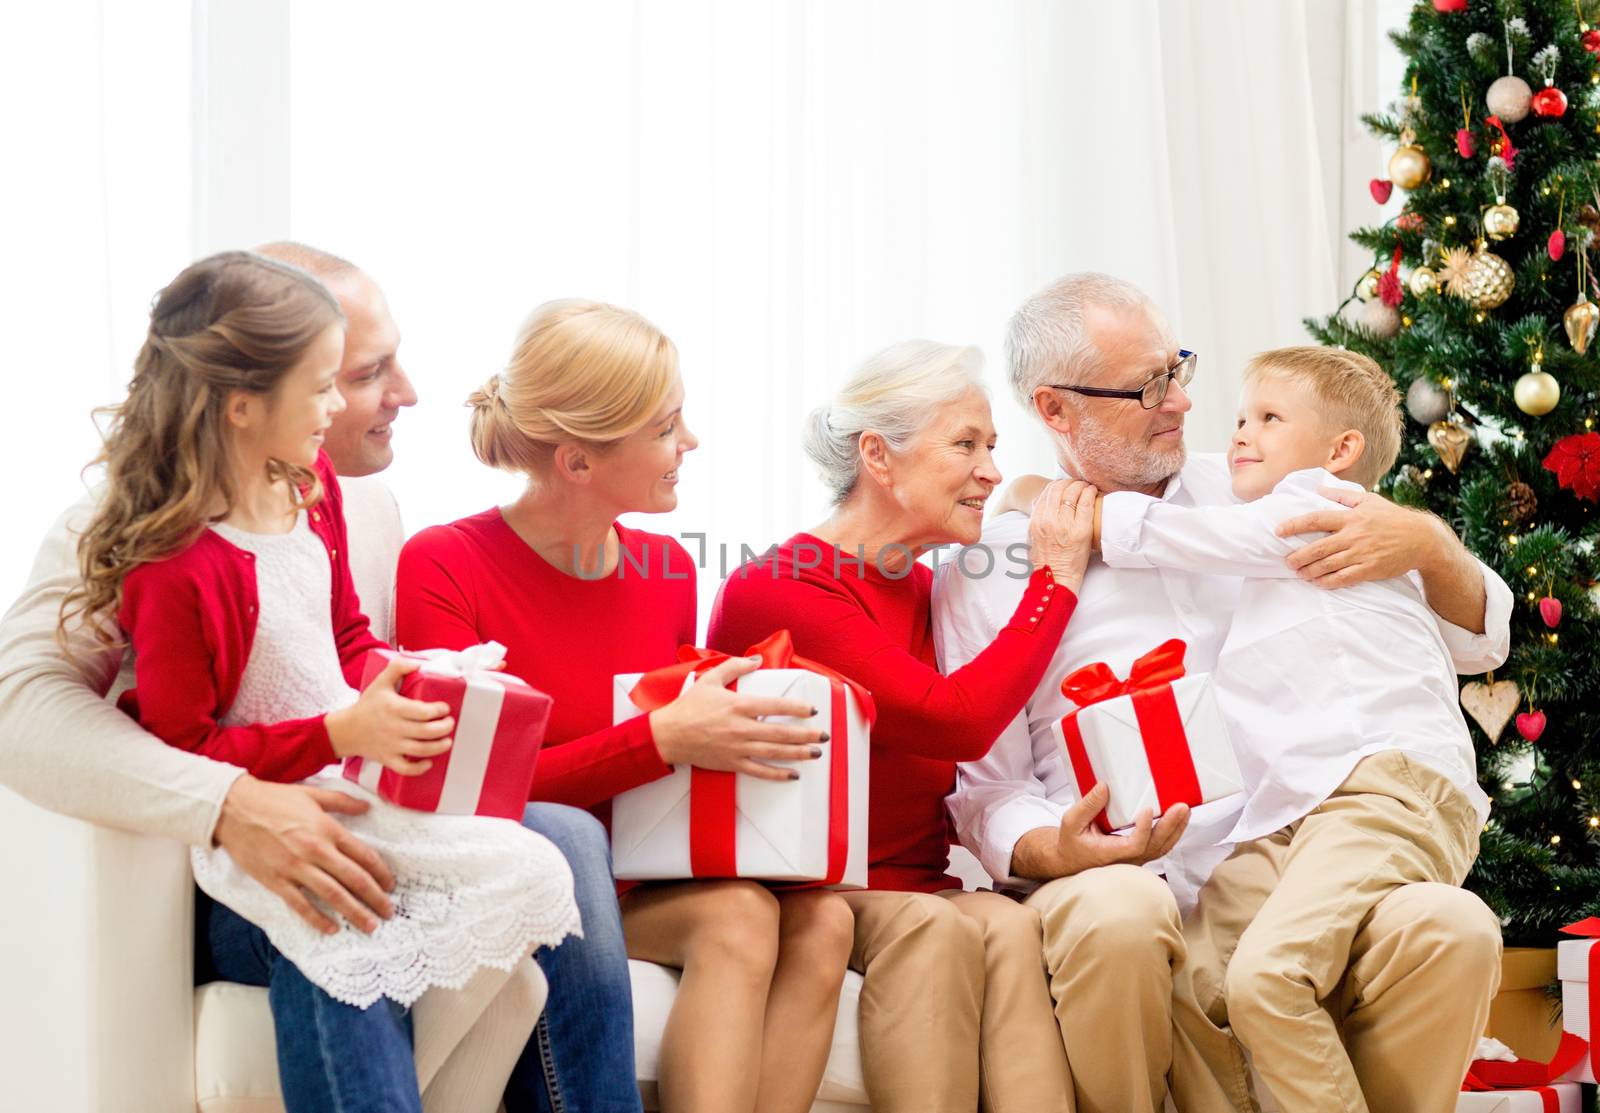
(470, 891)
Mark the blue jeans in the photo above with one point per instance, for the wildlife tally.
(580, 1059)
(332, 1057)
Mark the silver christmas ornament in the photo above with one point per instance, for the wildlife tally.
(1427, 401)
(1509, 98)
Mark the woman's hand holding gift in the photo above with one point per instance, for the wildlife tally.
(714, 727)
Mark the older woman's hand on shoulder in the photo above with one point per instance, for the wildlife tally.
(1061, 530)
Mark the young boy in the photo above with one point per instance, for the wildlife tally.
(1343, 707)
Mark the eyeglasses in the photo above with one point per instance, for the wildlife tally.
(1153, 392)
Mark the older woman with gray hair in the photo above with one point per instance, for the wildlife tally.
(955, 996)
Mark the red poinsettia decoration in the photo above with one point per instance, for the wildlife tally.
(1576, 462)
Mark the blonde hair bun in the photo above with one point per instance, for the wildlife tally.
(580, 370)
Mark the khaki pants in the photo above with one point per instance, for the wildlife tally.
(1316, 944)
(955, 1002)
(1112, 941)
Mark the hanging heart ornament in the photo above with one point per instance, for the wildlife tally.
(1490, 705)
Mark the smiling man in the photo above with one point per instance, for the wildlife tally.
(1095, 361)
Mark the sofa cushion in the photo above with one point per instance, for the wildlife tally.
(235, 1053)
(236, 1065)
(653, 990)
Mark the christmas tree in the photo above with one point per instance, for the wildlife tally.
(1481, 304)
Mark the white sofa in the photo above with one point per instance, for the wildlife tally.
(99, 1012)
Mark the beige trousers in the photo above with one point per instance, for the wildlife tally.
(1112, 940)
(1329, 948)
(955, 1006)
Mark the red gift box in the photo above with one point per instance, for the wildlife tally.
(500, 725)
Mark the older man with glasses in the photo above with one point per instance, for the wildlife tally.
(1094, 360)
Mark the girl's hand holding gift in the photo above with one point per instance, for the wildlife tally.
(383, 726)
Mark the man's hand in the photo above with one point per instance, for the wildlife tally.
(1378, 540)
(1373, 540)
(283, 836)
(1078, 844)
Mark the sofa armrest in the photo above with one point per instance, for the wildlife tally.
(97, 942)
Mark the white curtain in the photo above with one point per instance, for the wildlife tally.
(783, 185)
(94, 207)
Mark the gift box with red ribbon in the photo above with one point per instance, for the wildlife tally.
(1156, 738)
(499, 728)
(1499, 1082)
(1578, 967)
(711, 823)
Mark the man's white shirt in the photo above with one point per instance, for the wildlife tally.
(1024, 783)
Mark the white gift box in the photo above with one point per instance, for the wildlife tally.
(1116, 749)
(1572, 967)
(1519, 1101)
(781, 830)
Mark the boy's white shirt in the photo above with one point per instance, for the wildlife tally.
(63, 743)
(1310, 681)
(1024, 782)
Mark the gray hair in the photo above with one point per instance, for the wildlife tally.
(894, 394)
(1047, 337)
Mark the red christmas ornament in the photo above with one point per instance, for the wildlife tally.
(1381, 188)
(1591, 41)
(1464, 144)
(1389, 291)
(1449, 5)
(1409, 222)
(1550, 611)
(1557, 244)
(1549, 101)
(1576, 462)
(1531, 724)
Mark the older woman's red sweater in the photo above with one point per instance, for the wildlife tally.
(877, 630)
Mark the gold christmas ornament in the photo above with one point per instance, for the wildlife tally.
(1449, 439)
(1453, 265)
(1367, 288)
(1509, 98)
(1580, 320)
(1409, 166)
(1489, 280)
(1491, 705)
(1500, 220)
(1537, 393)
(1424, 281)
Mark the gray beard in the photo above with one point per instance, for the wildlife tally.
(1112, 464)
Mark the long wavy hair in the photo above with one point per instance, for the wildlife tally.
(230, 322)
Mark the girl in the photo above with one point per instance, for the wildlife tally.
(590, 411)
(219, 549)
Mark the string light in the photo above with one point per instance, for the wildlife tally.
(1555, 840)
(1406, 321)
(1513, 539)
(1533, 569)
(1480, 317)
(1577, 784)
(1532, 598)
(1428, 474)
(1444, 183)
(1594, 821)
(1450, 221)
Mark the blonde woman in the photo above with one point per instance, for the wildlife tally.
(590, 411)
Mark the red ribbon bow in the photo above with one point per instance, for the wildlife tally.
(1489, 1074)
(1096, 683)
(713, 793)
